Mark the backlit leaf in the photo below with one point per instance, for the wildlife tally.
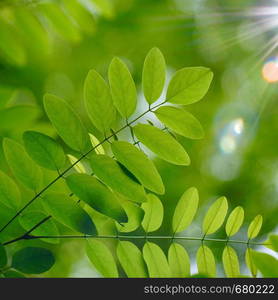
(179, 261)
(255, 227)
(96, 144)
(9, 192)
(139, 165)
(77, 164)
(206, 262)
(185, 210)
(162, 144)
(154, 74)
(215, 216)
(249, 260)
(189, 85)
(234, 221)
(230, 262)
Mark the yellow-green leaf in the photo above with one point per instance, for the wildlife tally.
(179, 261)
(162, 144)
(96, 144)
(206, 262)
(266, 264)
(215, 216)
(230, 262)
(77, 164)
(255, 227)
(185, 210)
(249, 260)
(234, 221)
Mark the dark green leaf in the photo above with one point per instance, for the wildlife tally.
(3, 256)
(13, 274)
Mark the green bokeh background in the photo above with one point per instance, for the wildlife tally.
(218, 34)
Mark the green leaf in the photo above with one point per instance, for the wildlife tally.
(139, 165)
(131, 260)
(96, 195)
(123, 88)
(3, 256)
(162, 144)
(102, 259)
(230, 262)
(255, 227)
(206, 262)
(274, 241)
(98, 101)
(154, 74)
(234, 221)
(267, 264)
(135, 216)
(109, 171)
(22, 166)
(33, 260)
(185, 210)
(9, 192)
(189, 85)
(156, 261)
(67, 123)
(215, 216)
(179, 261)
(180, 121)
(249, 260)
(77, 164)
(105, 8)
(29, 219)
(153, 217)
(65, 210)
(44, 150)
(96, 144)
(13, 274)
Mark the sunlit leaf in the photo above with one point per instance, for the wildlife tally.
(3, 256)
(180, 121)
(179, 261)
(33, 260)
(274, 241)
(65, 210)
(102, 258)
(96, 144)
(139, 165)
(234, 221)
(77, 164)
(255, 227)
(206, 262)
(230, 262)
(249, 260)
(189, 85)
(67, 123)
(162, 144)
(97, 195)
(154, 74)
(109, 171)
(153, 217)
(44, 150)
(22, 166)
(185, 210)
(215, 216)
(98, 101)
(9, 192)
(131, 260)
(267, 264)
(122, 88)
(156, 261)
(105, 7)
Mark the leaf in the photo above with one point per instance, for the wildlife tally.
(131, 260)
(13, 274)
(108, 171)
(9, 192)
(274, 242)
(255, 227)
(162, 144)
(44, 150)
(205, 261)
(65, 210)
(102, 259)
(234, 221)
(76, 163)
(105, 7)
(215, 216)
(123, 88)
(156, 261)
(98, 101)
(96, 144)
(153, 217)
(67, 123)
(96, 195)
(33, 260)
(135, 216)
(230, 262)
(180, 121)
(179, 261)
(189, 85)
(154, 74)
(22, 166)
(267, 264)
(185, 210)
(29, 219)
(139, 165)
(3, 257)
(249, 260)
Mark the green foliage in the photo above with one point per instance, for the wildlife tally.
(3, 256)
(179, 261)
(267, 264)
(33, 260)
(9, 192)
(234, 221)
(206, 261)
(230, 262)
(255, 227)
